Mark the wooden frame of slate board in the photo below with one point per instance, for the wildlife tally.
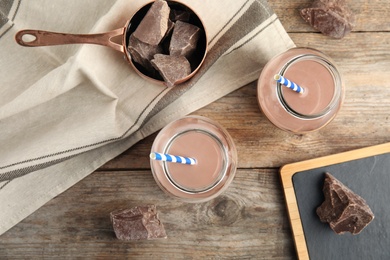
(378, 153)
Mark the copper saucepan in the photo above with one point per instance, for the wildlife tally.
(45, 38)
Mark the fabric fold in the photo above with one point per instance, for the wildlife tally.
(63, 116)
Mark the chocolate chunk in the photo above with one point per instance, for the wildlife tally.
(185, 37)
(171, 25)
(344, 210)
(154, 25)
(331, 17)
(171, 68)
(137, 223)
(179, 15)
(142, 52)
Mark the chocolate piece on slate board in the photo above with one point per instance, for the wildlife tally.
(154, 25)
(344, 210)
(331, 17)
(179, 15)
(142, 52)
(171, 68)
(137, 223)
(185, 37)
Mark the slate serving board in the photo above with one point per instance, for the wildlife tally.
(365, 171)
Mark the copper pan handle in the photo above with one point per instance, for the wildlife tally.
(45, 38)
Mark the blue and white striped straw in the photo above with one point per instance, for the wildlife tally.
(172, 158)
(291, 85)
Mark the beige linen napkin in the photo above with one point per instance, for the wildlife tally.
(66, 110)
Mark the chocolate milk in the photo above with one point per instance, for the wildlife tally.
(212, 148)
(210, 159)
(318, 84)
(311, 110)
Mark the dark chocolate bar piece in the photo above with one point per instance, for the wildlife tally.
(171, 25)
(179, 15)
(137, 223)
(171, 68)
(344, 210)
(331, 17)
(142, 52)
(154, 25)
(185, 37)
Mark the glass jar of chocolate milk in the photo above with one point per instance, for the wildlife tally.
(322, 96)
(209, 144)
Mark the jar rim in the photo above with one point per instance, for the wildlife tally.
(183, 124)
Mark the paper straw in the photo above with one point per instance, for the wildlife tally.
(172, 158)
(291, 85)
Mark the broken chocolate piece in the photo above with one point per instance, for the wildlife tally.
(150, 33)
(154, 25)
(171, 68)
(142, 52)
(344, 210)
(179, 15)
(185, 37)
(137, 223)
(171, 25)
(331, 17)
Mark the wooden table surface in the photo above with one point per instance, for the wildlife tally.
(249, 220)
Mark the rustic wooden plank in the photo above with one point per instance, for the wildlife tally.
(363, 120)
(246, 221)
(249, 221)
(371, 16)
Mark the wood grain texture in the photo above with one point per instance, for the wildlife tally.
(249, 221)
(364, 119)
(246, 221)
(370, 16)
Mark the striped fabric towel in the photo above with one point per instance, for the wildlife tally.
(66, 110)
